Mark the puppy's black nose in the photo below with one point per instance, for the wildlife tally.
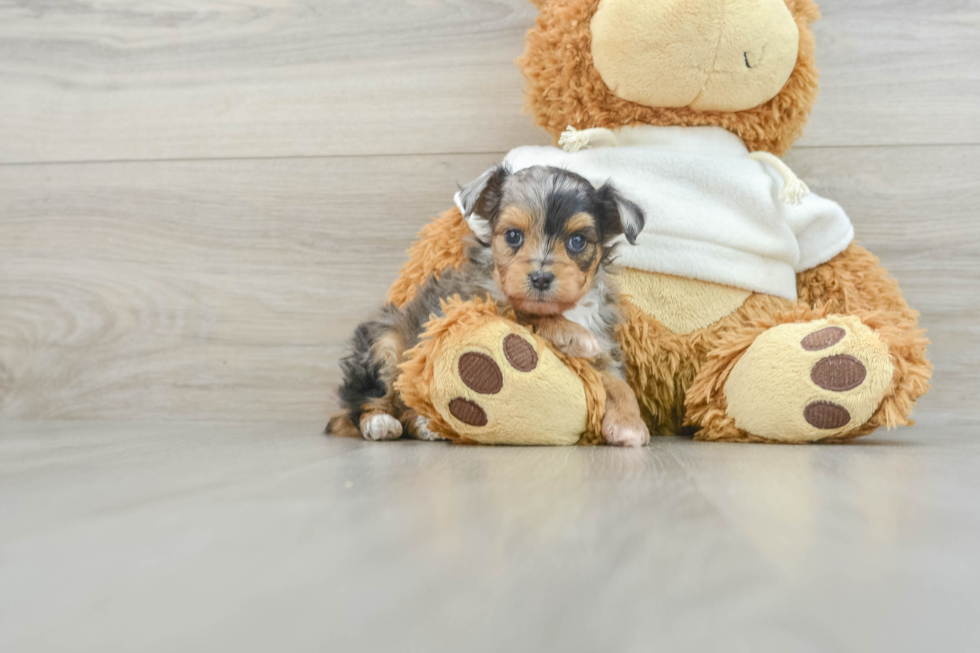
(541, 280)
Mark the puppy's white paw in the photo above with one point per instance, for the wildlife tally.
(422, 431)
(582, 344)
(620, 432)
(380, 426)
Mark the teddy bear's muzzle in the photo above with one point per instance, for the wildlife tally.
(709, 55)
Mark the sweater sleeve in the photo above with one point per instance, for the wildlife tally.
(822, 230)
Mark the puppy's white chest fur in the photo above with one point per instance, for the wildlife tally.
(595, 314)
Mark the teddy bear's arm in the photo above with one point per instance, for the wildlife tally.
(440, 245)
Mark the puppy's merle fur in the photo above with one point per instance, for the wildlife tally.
(552, 271)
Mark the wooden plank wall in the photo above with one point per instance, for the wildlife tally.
(199, 200)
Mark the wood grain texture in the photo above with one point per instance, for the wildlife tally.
(95, 81)
(199, 290)
(226, 289)
(897, 72)
(177, 537)
(187, 79)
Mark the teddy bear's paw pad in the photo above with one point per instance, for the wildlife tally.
(520, 353)
(502, 385)
(479, 372)
(809, 381)
(380, 426)
(823, 338)
(839, 373)
(826, 415)
(468, 412)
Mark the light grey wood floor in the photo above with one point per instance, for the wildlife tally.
(199, 200)
(178, 537)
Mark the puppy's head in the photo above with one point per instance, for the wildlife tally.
(550, 231)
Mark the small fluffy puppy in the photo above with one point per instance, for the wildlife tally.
(542, 244)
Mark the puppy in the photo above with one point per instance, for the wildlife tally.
(542, 244)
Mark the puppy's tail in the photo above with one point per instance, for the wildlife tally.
(342, 425)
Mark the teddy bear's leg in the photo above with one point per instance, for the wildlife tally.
(816, 374)
(855, 283)
(661, 365)
(806, 381)
(479, 377)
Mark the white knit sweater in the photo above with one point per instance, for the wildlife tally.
(712, 213)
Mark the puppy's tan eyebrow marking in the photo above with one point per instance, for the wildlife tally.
(514, 217)
(578, 222)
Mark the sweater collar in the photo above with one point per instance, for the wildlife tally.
(695, 140)
(702, 140)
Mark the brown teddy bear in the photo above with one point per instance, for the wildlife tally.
(750, 313)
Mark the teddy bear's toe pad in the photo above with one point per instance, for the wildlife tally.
(826, 415)
(809, 381)
(502, 385)
(468, 412)
(479, 372)
(823, 338)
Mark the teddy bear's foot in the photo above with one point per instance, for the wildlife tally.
(504, 386)
(479, 377)
(810, 381)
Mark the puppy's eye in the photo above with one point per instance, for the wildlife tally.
(514, 237)
(576, 244)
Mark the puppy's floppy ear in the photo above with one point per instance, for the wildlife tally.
(618, 215)
(482, 195)
(480, 200)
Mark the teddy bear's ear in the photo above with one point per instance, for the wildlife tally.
(540, 3)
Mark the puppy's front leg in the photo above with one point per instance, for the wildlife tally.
(573, 339)
(622, 425)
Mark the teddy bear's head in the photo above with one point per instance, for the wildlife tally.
(745, 65)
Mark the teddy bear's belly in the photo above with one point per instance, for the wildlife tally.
(680, 304)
